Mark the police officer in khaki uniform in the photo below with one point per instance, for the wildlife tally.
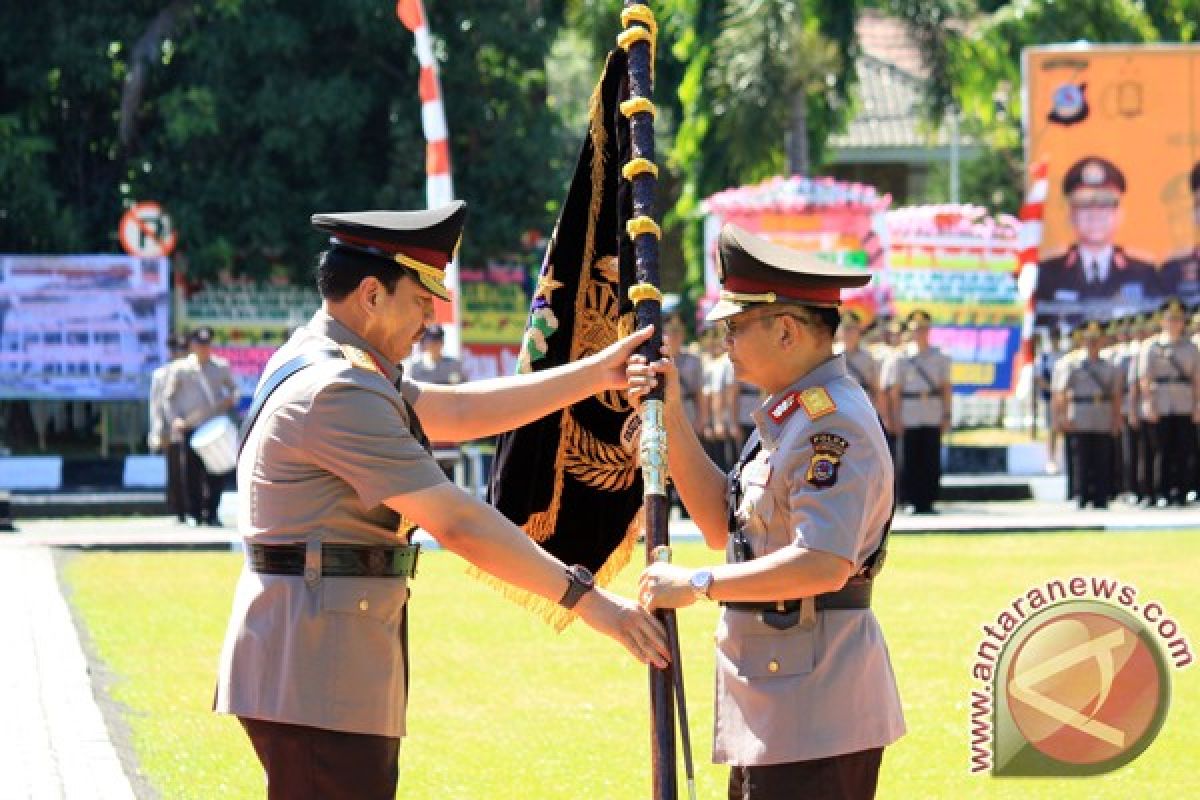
(1169, 371)
(919, 397)
(861, 363)
(1119, 353)
(199, 388)
(159, 438)
(1086, 397)
(334, 475)
(805, 696)
(432, 365)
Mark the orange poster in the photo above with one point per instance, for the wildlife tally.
(1118, 127)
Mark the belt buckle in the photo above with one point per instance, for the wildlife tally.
(376, 562)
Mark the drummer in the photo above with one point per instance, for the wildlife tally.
(201, 388)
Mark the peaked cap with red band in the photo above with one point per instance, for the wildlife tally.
(755, 272)
(421, 241)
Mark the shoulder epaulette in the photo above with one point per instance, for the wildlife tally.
(816, 402)
(360, 358)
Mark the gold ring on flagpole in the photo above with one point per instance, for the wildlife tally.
(642, 224)
(638, 166)
(644, 291)
(637, 105)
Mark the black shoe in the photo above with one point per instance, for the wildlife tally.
(214, 523)
(1101, 506)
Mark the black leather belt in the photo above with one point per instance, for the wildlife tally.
(1083, 401)
(856, 594)
(918, 395)
(1173, 380)
(337, 560)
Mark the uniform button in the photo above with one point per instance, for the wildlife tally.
(363, 605)
(773, 666)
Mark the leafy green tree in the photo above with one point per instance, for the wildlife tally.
(242, 117)
(985, 70)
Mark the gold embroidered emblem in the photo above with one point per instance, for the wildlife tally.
(817, 403)
(604, 466)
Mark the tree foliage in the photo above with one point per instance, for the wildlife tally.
(243, 117)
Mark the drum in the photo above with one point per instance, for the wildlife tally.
(216, 443)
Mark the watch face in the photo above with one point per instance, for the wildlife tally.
(583, 575)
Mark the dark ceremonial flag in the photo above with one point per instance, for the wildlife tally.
(571, 480)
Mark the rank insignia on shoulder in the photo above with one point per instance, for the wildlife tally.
(784, 408)
(816, 402)
(828, 449)
(360, 358)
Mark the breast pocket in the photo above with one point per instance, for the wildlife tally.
(758, 504)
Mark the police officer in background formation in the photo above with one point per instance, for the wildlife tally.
(805, 695)
(199, 388)
(1086, 398)
(1169, 371)
(431, 364)
(1118, 354)
(1144, 329)
(334, 476)
(863, 366)
(160, 438)
(1058, 378)
(1094, 267)
(919, 399)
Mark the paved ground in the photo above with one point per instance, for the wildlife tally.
(53, 738)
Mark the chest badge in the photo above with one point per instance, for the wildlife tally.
(828, 449)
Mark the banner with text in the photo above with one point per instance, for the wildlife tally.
(968, 286)
(81, 327)
(495, 303)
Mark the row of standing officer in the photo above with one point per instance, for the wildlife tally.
(1127, 400)
(910, 384)
(186, 392)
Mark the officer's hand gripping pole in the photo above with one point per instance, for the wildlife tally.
(662, 554)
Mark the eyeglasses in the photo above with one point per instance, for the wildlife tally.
(731, 328)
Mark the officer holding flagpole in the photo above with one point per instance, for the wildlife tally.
(806, 699)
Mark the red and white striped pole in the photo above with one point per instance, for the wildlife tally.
(1032, 213)
(439, 187)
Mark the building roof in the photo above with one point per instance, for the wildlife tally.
(889, 124)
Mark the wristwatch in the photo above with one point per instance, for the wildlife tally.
(580, 581)
(701, 582)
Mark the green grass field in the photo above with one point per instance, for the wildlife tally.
(504, 708)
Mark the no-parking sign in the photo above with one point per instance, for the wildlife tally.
(146, 231)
